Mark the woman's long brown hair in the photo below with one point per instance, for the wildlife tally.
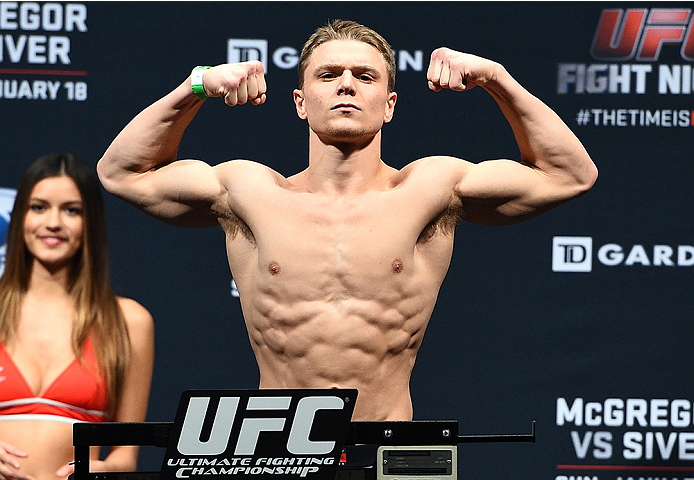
(96, 308)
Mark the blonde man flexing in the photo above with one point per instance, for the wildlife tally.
(339, 266)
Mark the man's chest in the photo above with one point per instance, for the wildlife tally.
(376, 236)
(339, 233)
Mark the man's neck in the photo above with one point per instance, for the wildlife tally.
(344, 168)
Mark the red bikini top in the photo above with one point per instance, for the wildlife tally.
(78, 394)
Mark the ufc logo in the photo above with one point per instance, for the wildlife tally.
(298, 442)
(642, 33)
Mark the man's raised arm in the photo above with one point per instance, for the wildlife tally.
(555, 167)
(140, 165)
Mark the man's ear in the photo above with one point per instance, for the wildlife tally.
(299, 103)
(390, 107)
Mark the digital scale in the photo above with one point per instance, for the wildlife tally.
(417, 462)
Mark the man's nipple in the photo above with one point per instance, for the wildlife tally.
(274, 268)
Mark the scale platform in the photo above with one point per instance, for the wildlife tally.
(282, 434)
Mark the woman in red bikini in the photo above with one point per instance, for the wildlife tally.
(70, 350)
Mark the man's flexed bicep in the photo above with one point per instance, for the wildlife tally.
(493, 192)
(555, 167)
(140, 165)
(180, 193)
(503, 192)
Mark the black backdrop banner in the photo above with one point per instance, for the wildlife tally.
(580, 319)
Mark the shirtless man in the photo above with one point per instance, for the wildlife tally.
(339, 266)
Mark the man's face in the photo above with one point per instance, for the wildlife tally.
(345, 93)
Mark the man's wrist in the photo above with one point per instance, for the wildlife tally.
(196, 82)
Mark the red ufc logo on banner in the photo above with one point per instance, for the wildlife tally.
(642, 33)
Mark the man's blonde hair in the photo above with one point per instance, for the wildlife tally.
(347, 30)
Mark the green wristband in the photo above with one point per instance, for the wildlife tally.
(196, 82)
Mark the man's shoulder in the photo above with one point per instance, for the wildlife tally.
(436, 160)
(248, 172)
(240, 165)
(426, 169)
